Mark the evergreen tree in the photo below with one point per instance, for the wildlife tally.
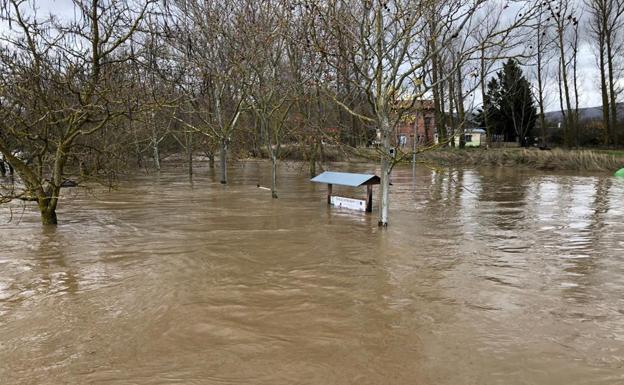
(510, 106)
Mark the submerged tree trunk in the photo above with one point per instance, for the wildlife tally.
(155, 143)
(223, 160)
(44, 193)
(272, 152)
(156, 153)
(274, 176)
(48, 217)
(189, 153)
(211, 160)
(47, 200)
(385, 172)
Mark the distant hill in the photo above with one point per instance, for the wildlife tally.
(589, 113)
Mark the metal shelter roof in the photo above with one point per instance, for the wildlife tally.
(477, 130)
(346, 178)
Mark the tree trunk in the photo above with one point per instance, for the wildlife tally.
(452, 126)
(437, 98)
(461, 114)
(564, 112)
(274, 176)
(385, 171)
(569, 121)
(47, 201)
(189, 153)
(155, 142)
(486, 121)
(48, 217)
(612, 94)
(576, 90)
(540, 85)
(156, 154)
(223, 160)
(604, 92)
(2, 168)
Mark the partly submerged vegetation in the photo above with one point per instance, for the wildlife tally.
(556, 159)
(548, 160)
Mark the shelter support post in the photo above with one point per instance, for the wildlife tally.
(329, 193)
(369, 198)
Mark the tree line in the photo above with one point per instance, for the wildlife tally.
(113, 84)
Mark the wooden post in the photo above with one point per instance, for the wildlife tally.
(369, 198)
(329, 193)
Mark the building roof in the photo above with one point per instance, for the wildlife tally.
(346, 178)
(475, 130)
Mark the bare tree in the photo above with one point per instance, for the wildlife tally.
(157, 75)
(394, 42)
(563, 14)
(543, 56)
(312, 110)
(205, 37)
(269, 84)
(606, 24)
(58, 85)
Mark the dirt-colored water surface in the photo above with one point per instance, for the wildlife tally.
(482, 277)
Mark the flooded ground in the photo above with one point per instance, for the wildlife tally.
(483, 277)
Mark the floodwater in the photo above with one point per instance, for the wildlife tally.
(482, 277)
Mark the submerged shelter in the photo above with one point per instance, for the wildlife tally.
(348, 179)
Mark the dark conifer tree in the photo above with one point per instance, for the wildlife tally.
(510, 105)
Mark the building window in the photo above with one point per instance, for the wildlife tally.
(468, 138)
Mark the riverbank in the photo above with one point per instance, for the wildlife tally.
(534, 158)
(549, 160)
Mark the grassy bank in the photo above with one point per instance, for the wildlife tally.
(556, 159)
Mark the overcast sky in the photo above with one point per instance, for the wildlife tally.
(588, 75)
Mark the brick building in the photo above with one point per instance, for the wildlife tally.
(417, 124)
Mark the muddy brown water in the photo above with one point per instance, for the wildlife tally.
(483, 277)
